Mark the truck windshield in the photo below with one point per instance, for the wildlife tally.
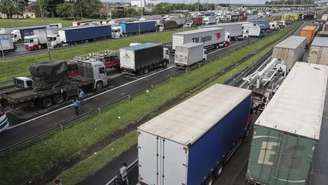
(28, 40)
(19, 83)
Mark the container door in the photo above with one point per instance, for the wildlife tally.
(173, 163)
(148, 155)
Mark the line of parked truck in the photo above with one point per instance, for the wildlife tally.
(56, 82)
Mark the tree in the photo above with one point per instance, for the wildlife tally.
(48, 7)
(11, 7)
(65, 9)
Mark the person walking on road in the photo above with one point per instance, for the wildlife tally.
(76, 105)
(124, 174)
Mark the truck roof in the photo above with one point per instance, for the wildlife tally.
(84, 26)
(137, 22)
(141, 46)
(191, 44)
(198, 31)
(188, 121)
(320, 41)
(297, 107)
(291, 42)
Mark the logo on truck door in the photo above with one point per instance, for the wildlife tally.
(218, 35)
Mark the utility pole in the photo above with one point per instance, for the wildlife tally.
(2, 52)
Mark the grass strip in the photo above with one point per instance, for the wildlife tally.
(10, 23)
(35, 160)
(97, 161)
(19, 66)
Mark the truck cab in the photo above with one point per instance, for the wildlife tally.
(23, 82)
(4, 123)
(53, 40)
(93, 72)
(33, 43)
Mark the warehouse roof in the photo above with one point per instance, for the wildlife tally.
(188, 121)
(141, 46)
(198, 31)
(297, 107)
(320, 41)
(291, 42)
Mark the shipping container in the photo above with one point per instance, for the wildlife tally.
(189, 54)
(142, 58)
(84, 33)
(210, 37)
(319, 51)
(286, 133)
(131, 28)
(6, 43)
(234, 29)
(308, 32)
(290, 50)
(189, 143)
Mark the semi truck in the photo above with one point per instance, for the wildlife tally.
(190, 143)
(211, 38)
(189, 54)
(235, 29)
(308, 32)
(36, 41)
(6, 43)
(78, 34)
(319, 51)
(290, 50)
(132, 28)
(287, 133)
(251, 29)
(51, 84)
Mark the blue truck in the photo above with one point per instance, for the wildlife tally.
(132, 28)
(264, 25)
(190, 143)
(84, 33)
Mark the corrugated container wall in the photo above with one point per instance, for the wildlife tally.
(286, 133)
(290, 50)
(308, 32)
(319, 51)
(183, 144)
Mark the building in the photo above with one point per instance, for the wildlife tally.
(144, 3)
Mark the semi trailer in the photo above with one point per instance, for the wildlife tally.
(132, 28)
(251, 29)
(319, 51)
(142, 58)
(190, 143)
(235, 30)
(210, 37)
(50, 83)
(287, 132)
(188, 54)
(36, 41)
(6, 43)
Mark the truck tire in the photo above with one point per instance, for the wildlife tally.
(46, 102)
(218, 171)
(58, 98)
(99, 86)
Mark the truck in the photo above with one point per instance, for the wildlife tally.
(132, 28)
(167, 25)
(6, 43)
(190, 143)
(50, 84)
(308, 32)
(319, 51)
(290, 50)
(188, 54)
(251, 29)
(142, 58)
(78, 34)
(287, 132)
(234, 29)
(36, 41)
(21, 32)
(209, 20)
(197, 20)
(263, 24)
(211, 37)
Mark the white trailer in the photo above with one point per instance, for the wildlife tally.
(36, 41)
(274, 25)
(319, 51)
(235, 29)
(290, 50)
(189, 54)
(210, 37)
(209, 20)
(6, 43)
(251, 29)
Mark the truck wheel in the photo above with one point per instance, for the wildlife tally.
(46, 102)
(210, 180)
(146, 71)
(58, 98)
(218, 171)
(99, 86)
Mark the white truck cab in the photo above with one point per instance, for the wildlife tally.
(53, 40)
(23, 82)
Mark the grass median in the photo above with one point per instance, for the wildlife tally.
(19, 66)
(10, 23)
(35, 160)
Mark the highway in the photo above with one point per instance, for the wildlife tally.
(28, 126)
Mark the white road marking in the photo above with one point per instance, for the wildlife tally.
(89, 98)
